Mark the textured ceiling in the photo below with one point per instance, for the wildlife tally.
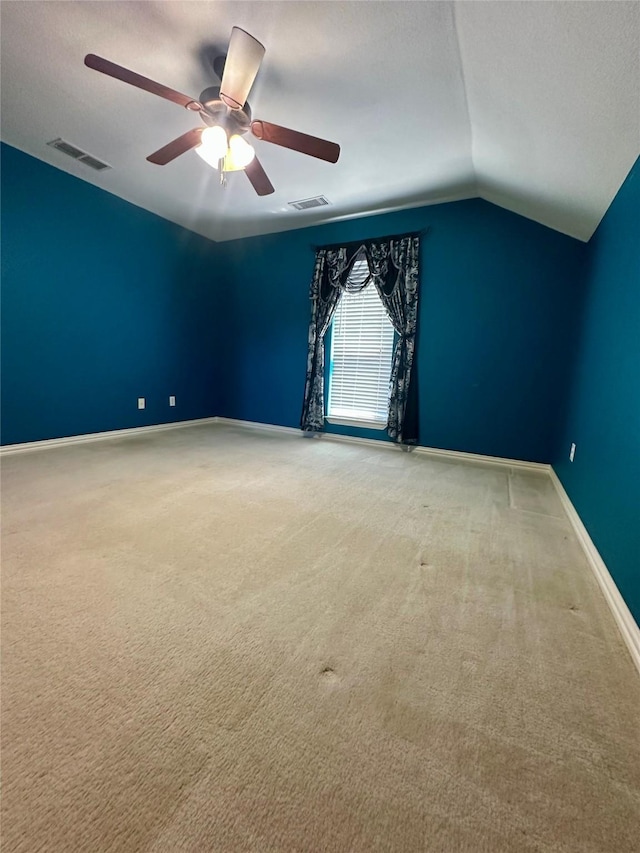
(532, 105)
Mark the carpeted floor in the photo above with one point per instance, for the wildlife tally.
(218, 640)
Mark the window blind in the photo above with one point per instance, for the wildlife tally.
(361, 352)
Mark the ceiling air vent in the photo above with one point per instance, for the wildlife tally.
(77, 154)
(308, 203)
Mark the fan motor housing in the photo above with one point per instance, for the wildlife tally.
(216, 112)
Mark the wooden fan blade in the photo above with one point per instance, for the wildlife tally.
(240, 68)
(258, 177)
(296, 141)
(176, 147)
(120, 73)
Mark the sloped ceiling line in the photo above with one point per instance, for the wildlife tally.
(463, 79)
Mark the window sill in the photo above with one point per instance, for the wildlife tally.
(355, 422)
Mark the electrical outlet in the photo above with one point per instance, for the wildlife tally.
(172, 401)
(572, 452)
(141, 402)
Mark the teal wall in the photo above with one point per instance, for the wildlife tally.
(603, 415)
(497, 323)
(102, 303)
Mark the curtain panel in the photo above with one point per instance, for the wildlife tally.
(394, 270)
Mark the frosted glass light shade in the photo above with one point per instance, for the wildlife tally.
(213, 146)
(240, 152)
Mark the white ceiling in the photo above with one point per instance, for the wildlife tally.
(532, 105)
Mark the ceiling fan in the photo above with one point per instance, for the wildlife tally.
(227, 116)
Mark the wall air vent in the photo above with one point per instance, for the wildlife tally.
(308, 203)
(77, 154)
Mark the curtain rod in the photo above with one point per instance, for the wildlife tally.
(364, 242)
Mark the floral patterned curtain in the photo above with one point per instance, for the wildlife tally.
(394, 268)
(330, 269)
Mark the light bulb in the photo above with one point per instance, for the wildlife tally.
(213, 146)
(240, 152)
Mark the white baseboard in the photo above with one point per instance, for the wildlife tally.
(503, 462)
(391, 445)
(256, 425)
(8, 449)
(28, 446)
(621, 613)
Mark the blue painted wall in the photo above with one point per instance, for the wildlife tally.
(102, 303)
(603, 417)
(497, 320)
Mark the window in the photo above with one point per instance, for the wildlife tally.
(362, 338)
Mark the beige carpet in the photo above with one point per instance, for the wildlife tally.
(217, 640)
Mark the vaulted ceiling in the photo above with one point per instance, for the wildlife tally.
(534, 106)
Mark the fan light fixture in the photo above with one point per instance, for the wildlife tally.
(213, 146)
(226, 114)
(235, 154)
